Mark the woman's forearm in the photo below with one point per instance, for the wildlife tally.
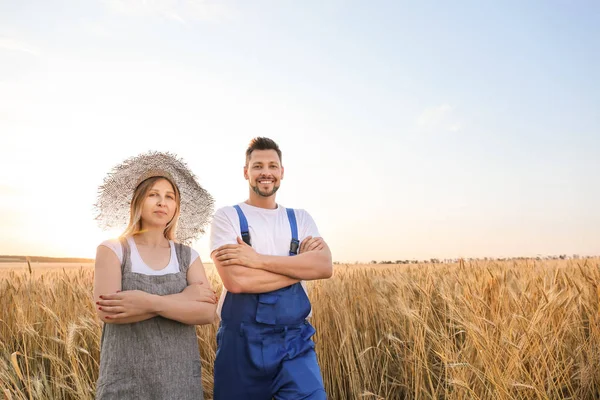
(185, 307)
(127, 320)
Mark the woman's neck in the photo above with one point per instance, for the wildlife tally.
(151, 238)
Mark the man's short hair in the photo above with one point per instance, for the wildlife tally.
(262, 143)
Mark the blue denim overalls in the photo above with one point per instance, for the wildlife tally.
(264, 346)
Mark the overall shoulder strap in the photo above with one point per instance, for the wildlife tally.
(184, 254)
(243, 225)
(126, 254)
(295, 244)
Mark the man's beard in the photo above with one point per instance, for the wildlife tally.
(257, 190)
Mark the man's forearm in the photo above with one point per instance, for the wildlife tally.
(239, 279)
(306, 266)
(179, 308)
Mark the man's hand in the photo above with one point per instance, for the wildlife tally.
(310, 244)
(199, 292)
(238, 254)
(129, 303)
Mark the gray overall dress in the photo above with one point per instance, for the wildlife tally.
(153, 359)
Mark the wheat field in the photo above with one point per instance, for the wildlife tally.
(471, 330)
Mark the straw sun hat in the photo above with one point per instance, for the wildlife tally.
(115, 194)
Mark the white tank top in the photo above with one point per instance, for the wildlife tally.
(138, 265)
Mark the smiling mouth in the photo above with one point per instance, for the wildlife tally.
(265, 182)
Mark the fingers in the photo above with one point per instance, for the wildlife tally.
(228, 247)
(206, 295)
(225, 252)
(198, 288)
(209, 299)
(242, 243)
(222, 256)
(106, 303)
(227, 256)
(303, 244)
(113, 310)
(117, 316)
(311, 244)
(315, 244)
(112, 296)
(203, 294)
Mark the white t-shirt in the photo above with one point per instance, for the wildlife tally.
(138, 265)
(270, 231)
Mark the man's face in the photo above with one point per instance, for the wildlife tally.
(264, 172)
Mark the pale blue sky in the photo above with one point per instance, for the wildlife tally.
(409, 129)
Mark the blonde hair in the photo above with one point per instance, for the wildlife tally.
(135, 210)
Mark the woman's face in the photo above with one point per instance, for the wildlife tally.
(159, 205)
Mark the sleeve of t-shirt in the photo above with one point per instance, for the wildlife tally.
(193, 256)
(222, 231)
(115, 246)
(308, 227)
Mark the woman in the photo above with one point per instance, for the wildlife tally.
(149, 289)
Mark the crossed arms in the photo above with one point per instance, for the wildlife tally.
(195, 305)
(243, 270)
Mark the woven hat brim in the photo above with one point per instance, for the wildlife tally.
(115, 194)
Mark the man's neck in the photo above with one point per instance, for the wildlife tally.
(256, 200)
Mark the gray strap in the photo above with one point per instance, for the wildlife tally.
(125, 265)
(184, 254)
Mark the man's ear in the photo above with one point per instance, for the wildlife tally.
(282, 171)
(246, 173)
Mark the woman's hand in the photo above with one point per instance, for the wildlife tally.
(129, 303)
(199, 292)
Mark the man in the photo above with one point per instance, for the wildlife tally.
(264, 253)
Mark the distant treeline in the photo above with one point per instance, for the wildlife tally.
(44, 259)
(457, 260)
